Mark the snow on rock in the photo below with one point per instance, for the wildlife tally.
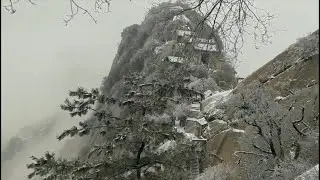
(182, 18)
(210, 103)
(201, 121)
(176, 8)
(215, 127)
(198, 139)
(162, 47)
(189, 136)
(183, 33)
(237, 130)
(279, 98)
(181, 44)
(205, 47)
(127, 174)
(271, 77)
(158, 49)
(174, 59)
(166, 146)
(151, 170)
(207, 93)
(206, 41)
(305, 47)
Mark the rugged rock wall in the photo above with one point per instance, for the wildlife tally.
(293, 68)
(142, 46)
(290, 84)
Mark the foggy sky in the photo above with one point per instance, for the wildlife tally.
(42, 59)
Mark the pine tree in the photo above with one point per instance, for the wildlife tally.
(130, 141)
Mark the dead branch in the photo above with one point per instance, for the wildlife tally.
(294, 123)
(231, 19)
(289, 91)
(75, 12)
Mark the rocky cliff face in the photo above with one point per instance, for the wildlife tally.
(165, 48)
(165, 34)
(271, 117)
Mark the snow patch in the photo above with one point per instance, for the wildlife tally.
(166, 146)
(176, 8)
(189, 136)
(215, 99)
(181, 44)
(174, 59)
(127, 174)
(198, 139)
(207, 93)
(182, 18)
(183, 33)
(271, 77)
(220, 121)
(151, 169)
(210, 103)
(279, 98)
(205, 47)
(237, 130)
(201, 121)
(202, 40)
(158, 49)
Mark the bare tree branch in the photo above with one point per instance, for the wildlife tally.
(74, 13)
(294, 123)
(230, 19)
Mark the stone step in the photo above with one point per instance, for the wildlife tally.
(194, 168)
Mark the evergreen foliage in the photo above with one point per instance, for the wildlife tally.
(137, 134)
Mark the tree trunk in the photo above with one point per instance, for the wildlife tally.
(138, 160)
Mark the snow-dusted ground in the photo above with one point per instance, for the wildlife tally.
(205, 47)
(213, 100)
(166, 146)
(189, 136)
(182, 18)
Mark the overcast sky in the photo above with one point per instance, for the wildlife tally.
(42, 59)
